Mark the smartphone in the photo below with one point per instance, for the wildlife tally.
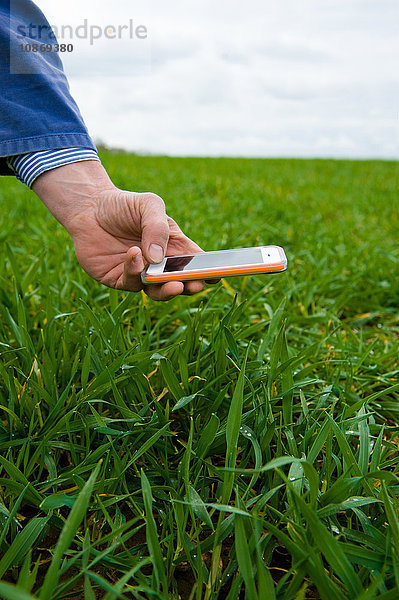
(216, 264)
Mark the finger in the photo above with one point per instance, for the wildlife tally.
(154, 228)
(212, 281)
(164, 292)
(191, 247)
(133, 267)
(185, 244)
(193, 287)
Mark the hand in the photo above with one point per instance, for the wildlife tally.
(115, 232)
(122, 233)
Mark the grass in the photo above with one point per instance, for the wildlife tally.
(239, 443)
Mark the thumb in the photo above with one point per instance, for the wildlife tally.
(154, 228)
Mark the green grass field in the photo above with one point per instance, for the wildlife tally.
(241, 443)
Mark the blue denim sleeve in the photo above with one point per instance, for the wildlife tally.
(37, 111)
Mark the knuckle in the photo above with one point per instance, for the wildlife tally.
(154, 200)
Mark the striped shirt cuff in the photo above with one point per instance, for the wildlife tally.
(27, 167)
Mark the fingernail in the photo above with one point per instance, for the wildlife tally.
(156, 253)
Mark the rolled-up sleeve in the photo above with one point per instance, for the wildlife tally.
(37, 111)
(28, 167)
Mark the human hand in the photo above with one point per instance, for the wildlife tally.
(115, 232)
(123, 232)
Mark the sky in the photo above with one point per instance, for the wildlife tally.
(300, 78)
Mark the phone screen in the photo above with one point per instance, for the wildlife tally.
(211, 260)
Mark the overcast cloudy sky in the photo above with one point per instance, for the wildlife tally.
(254, 78)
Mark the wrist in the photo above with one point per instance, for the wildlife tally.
(70, 192)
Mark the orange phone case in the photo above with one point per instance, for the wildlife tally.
(213, 274)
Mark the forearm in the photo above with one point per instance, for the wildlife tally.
(68, 191)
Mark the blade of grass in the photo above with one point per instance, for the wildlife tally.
(152, 537)
(68, 533)
(12, 592)
(22, 542)
(244, 558)
(331, 549)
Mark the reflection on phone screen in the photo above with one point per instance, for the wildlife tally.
(209, 260)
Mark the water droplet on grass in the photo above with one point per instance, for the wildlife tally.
(245, 431)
